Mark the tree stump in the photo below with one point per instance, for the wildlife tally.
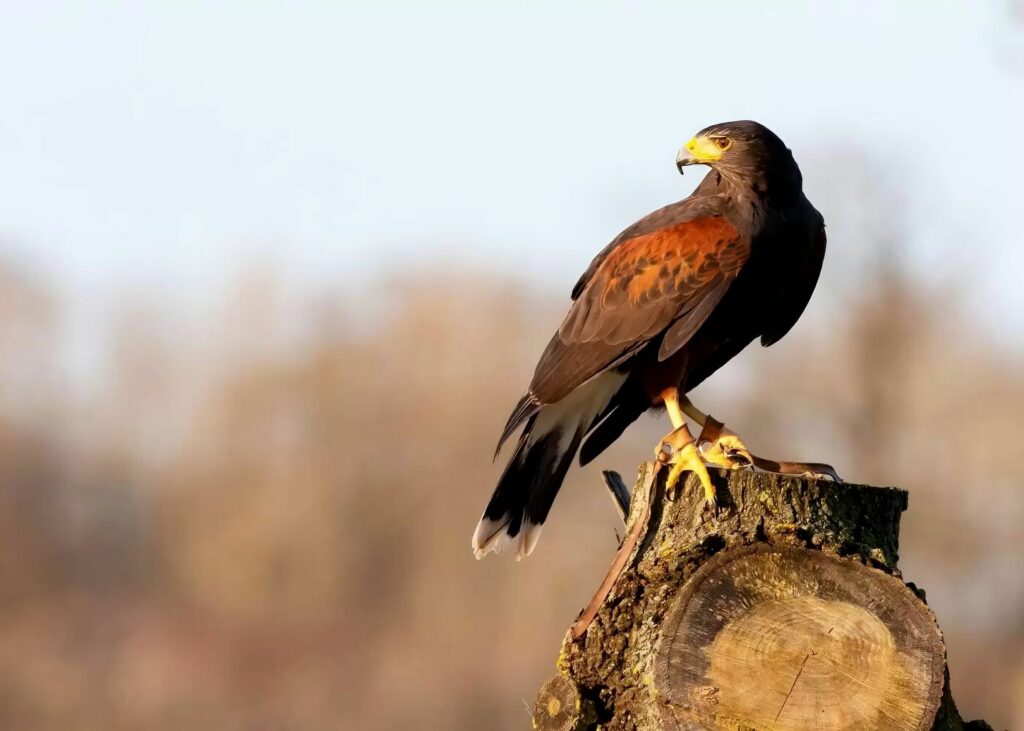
(560, 707)
(784, 611)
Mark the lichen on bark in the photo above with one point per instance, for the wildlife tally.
(612, 664)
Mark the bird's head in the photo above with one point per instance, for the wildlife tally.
(741, 149)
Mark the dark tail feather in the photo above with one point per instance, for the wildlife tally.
(525, 492)
(525, 409)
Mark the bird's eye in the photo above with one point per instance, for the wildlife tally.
(724, 143)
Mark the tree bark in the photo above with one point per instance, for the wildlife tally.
(785, 610)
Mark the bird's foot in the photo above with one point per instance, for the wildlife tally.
(678, 450)
(722, 447)
(727, 451)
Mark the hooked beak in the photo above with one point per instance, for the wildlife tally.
(698, 151)
(684, 158)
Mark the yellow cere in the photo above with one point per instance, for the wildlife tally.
(703, 149)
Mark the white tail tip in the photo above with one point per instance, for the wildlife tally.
(492, 536)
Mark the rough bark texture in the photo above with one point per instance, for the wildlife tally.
(637, 666)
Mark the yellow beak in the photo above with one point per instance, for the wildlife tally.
(698, 151)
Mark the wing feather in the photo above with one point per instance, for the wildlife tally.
(667, 279)
(680, 332)
(796, 290)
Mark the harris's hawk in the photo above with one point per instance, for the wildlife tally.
(668, 302)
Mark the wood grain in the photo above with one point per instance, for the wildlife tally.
(781, 638)
(559, 707)
(785, 609)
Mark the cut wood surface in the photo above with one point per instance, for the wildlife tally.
(791, 638)
(560, 707)
(785, 610)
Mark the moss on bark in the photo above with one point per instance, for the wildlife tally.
(613, 664)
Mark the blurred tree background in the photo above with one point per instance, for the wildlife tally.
(249, 505)
(262, 519)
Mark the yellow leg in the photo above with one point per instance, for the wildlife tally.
(727, 451)
(678, 450)
(672, 405)
(687, 407)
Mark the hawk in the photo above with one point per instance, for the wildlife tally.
(666, 304)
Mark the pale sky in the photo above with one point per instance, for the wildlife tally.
(157, 145)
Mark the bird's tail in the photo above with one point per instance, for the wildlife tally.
(527, 489)
(529, 484)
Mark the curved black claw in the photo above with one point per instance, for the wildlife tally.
(739, 457)
(820, 470)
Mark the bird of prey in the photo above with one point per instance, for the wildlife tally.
(667, 303)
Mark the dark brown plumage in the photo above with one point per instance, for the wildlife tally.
(661, 308)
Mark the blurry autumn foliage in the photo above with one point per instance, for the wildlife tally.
(261, 519)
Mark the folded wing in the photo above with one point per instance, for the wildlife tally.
(666, 281)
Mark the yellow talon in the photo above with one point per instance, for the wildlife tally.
(729, 452)
(688, 459)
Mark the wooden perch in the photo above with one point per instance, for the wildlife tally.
(784, 611)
